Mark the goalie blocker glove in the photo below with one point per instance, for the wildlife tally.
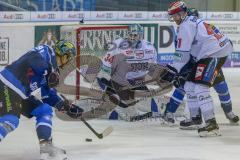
(72, 110)
(173, 77)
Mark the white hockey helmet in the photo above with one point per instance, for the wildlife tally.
(177, 11)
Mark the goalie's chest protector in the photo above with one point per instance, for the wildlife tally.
(142, 53)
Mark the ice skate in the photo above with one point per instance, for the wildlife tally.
(210, 129)
(233, 119)
(191, 124)
(168, 118)
(49, 152)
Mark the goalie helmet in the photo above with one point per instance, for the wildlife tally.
(135, 33)
(64, 50)
(177, 11)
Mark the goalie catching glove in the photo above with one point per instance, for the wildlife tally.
(174, 77)
(70, 109)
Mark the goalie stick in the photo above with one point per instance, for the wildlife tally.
(106, 131)
(108, 101)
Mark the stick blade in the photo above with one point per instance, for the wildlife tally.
(107, 131)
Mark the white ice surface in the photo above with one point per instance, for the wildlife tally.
(132, 141)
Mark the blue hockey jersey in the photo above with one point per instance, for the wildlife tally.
(29, 73)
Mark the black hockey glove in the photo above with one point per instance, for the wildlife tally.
(172, 76)
(179, 81)
(53, 79)
(72, 110)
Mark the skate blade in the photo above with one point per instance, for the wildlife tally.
(228, 124)
(168, 124)
(213, 133)
(47, 157)
(193, 127)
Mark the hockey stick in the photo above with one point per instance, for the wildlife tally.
(105, 133)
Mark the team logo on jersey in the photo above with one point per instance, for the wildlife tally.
(199, 71)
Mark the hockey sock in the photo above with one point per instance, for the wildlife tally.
(205, 101)
(43, 114)
(224, 96)
(8, 123)
(175, 100)
(192, 100)
(44, 127)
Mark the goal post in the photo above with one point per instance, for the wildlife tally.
(91, 40)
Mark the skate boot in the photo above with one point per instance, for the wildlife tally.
(210, 129)
(49, 152)
(234, 119)
(169, 118)
(191, 124)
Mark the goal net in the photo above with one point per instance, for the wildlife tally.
(89, 40)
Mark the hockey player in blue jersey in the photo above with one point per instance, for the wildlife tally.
(220, 87)
(27, 88)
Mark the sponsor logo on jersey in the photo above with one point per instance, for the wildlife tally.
(129, 52)
(204, 97)
(199, 71)
(139, 54)
(149, 52)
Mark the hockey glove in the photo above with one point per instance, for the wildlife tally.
(72, 110)
(170, 75)
(53, 79)
(178, 80)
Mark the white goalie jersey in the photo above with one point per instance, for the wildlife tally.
(143, 52)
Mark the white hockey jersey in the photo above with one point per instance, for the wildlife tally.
(201, 40)
(143, 52)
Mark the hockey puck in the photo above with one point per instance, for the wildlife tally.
(88, 140)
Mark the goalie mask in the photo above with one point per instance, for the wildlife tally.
(135, 34)
(177, 12)
(64, 52)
